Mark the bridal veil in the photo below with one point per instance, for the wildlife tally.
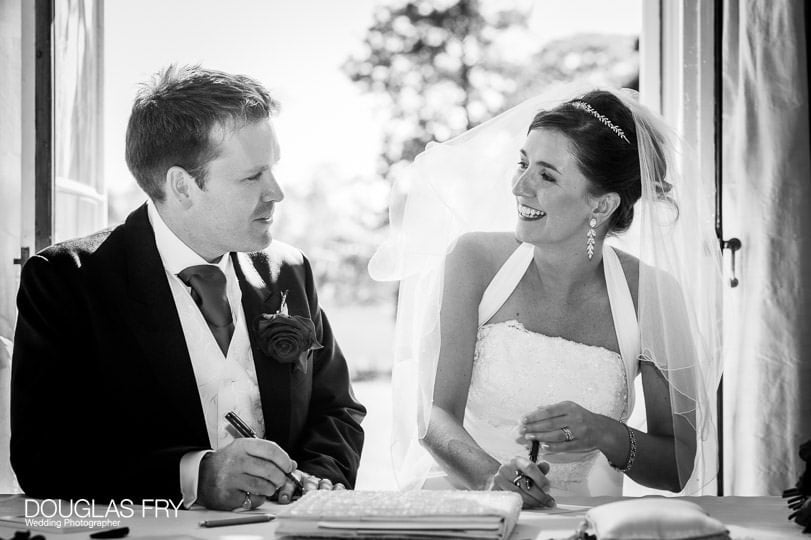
(464, 185)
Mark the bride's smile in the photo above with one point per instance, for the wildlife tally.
(528, 213)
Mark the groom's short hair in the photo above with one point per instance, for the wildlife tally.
(174, 113)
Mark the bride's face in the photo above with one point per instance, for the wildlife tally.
(553, 202)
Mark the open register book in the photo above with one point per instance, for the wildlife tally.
(401, 514)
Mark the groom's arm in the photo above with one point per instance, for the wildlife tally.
(330, 443)
(66, 440)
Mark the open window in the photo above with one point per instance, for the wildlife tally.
(80, 206)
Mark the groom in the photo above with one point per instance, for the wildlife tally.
(133, 344)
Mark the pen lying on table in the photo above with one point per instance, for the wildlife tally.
(246, 431)
(257, 518)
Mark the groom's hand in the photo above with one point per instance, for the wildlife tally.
(254, 466)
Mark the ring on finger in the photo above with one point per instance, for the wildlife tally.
(567, 433)
(527, 481)
(517, 479)
(247, 504)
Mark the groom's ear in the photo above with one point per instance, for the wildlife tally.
(604, 207)
(179, 185)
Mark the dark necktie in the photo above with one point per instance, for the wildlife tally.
(207, 284)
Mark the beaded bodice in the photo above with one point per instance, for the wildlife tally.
(516, 370)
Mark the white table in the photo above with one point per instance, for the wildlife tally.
(755, 518)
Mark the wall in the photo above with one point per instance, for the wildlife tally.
(15, 15)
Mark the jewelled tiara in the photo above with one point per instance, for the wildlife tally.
(583, 106)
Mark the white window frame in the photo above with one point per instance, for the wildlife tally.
(677, 58)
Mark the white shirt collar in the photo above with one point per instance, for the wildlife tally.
(176, 255)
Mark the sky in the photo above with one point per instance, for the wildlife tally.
(296, 48)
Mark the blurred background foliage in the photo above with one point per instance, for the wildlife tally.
(440, 68)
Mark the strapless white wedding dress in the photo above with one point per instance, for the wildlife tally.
(515, 371)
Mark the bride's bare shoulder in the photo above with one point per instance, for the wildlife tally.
(630, 265)
(480, 254)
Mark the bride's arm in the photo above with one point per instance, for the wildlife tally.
(656, 463)
(468, 270)
(466, 276)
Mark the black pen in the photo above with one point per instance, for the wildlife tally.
(533, 451)
(244, 520)
(246, 431)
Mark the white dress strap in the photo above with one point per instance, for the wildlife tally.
(623, 312)
(504, 282)
(622, 305)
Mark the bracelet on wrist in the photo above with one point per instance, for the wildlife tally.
(631, 451)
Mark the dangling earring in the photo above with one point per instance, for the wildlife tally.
(590, 236)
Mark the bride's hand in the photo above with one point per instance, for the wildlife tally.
(525, 478)
(563, 427)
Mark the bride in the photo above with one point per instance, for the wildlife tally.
(537, 335)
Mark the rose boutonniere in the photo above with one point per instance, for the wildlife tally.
(285, 338)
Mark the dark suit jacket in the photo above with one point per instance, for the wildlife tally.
(104, 402)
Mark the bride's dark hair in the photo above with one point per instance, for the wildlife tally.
(606, 155)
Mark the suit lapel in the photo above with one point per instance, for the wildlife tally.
(156, 325)
(259, 296)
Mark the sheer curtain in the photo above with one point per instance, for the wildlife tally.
(80, 206)
(767, 204)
